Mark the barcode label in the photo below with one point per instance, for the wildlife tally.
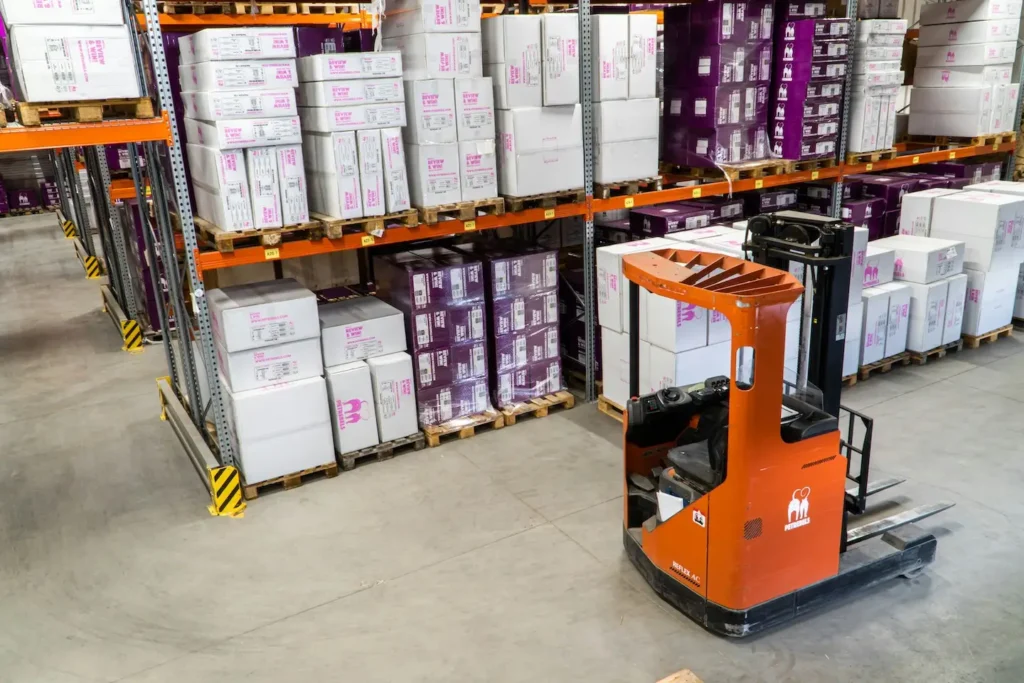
(550, 271)
(748, 109)
(458, 288)
(422, 329)
(501, 277)
(520, 351)
(518, 314)
(419, 289)
(505, 388)
(476, 323)
(551, 309)
(480, 396)
(554, 378)
(552, 343)
(478, 361)
(444, 404)
(426, 369)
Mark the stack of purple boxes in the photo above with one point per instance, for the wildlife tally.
(50, 193)
(572, 324)
(24, 200)
(817, 197)
(718, 72)
(5, 206)
(442, 294)
(807, 91)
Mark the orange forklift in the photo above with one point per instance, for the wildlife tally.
(739, 492)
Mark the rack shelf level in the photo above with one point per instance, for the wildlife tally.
(59, 135)
(195, 22)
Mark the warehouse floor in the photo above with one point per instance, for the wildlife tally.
(496, 558)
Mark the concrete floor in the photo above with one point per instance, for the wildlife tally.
(496, 558)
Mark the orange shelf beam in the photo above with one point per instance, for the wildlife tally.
(195, 22)
(916, 159)
(53, 136)
(123, 188)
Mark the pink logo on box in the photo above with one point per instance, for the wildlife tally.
(470, 98)
(283, 73)
(898, 267)
(406, 387)
(515, 75)
(435, 164)
(570, 47)
(871, 275)
(685, 313)
(952, 35)
(445, 62)
(950, 56)
(904, 310)
(974, 295)
(350, 412)
(354, 332)
(945, 77)
(429, 99)
(473, 159)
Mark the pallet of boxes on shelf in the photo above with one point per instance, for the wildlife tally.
(877, 78)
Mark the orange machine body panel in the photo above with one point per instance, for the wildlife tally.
(773, 525)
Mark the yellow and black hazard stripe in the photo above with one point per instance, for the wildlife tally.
(131, 332)
(93, 269)
(226, 488)
(69, 229)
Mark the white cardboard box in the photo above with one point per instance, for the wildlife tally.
(688, 236)
(95, 13)
(610, 35)
(991, 30)
(643, 55)
(875, 327)
(986, 222)
(355, 117)
(292, 178)
(350, 395)
(560, 58)
(968, 10)
(966, 55)
(672, 325)
(962, 76)
(858, 263)
(478, 166)
(332, 164)
(511, 91)
(393, 395)
(990, 299)
(222, 105)
(898, 322)
(865, 113)
(540, 149)
(615, 365)
(532, 173)
(349, 65)
(432, 16)
(431, 112)
(265, 74)
(878, 266)
(396, 178)
(916, 211)
(220, 187)
(228, 208)
(82, 63)
(927, 315)
(474, 108)
(242, 133)
(438, 55)
(371, 171)
(434, 176)
(667, 369)
(360, 328)
(262, 314)
(612, 290)
(628, 160)
(621, 120)
(225, 44)
(347, 93)
(264, 367)
(956, 296)
(512, 53)
(264, 187)
(852, 345)
(281, 429)
(924, 259)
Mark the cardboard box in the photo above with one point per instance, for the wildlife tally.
(621, 120)
(478, 167)
(560, 59)
(852, 345)
(610, 34)
(518, 349)
(628, 160)
(360, 328)
(319, 40)
(858, 263)
(292, 181)
(371, 171)
(242, 133)
(612, 289)
(540, 149)
(533, 381)
(643, 55)
(924, 259)
(875, 326)
(434, 176)
(96, 13)
(84, 63)
(615, 365)
(447, 365)
(228, 209)
(991, 297)
(281, 429)
(332, 164)
(672, 325)
(396, 177)
(350, 65)
(432, 16)
(992, 30)
(264, 187)
(265, 74)
(962, 76)
(226, 44)
(524, 312)
(431, 112)
(916, 211)
(216, 106)
(474, 109)
(219, 178)
(879, 264)
(263, 367)
(517, 272)
(927, 315)
(938, 56)
(355, 117)
(956, 296)
(667, 218)
(262, 314)
(445, 326)
(969, 10)
(438, 55)
(951, 111)
(437, 405)
(347, 93)
(512, 53)
(987, 223)
(393, 395)
(667, 369)
(350, 396)
(898, 323)
(430, 279)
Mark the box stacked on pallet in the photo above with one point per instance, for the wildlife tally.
(267, 340)
(319, 40)
(960, 174)
(24, 199)
(962, 83)
(5, 206)
(876, 84)
(719, 57)
(572, 322)
(817, 197)
(352, 111)
(890, 189)
(810, 61)
(242, 128)
(64, 51)
(442, 295)
(50, 194)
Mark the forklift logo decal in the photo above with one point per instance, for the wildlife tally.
(698, 518)
(799, 513)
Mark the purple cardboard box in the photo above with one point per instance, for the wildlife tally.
(830, 89)
(450, 364)
(766, 201)
(316, 40)
(806, 110)
(723, 208)
(993, 170)
(802, 72)
(532, 381)
(812, 50)
(823, 190)
(958, 169)
(925, 181)
(706, 146)
(447, 326)
(791, 142)
(796, 129)
(574, 343)
(814, 205)
(890, 188)
(801, 10)
(524, 312)
(858, 211)
(708, 107)
(518, 349)
(515, 271)
(813, 29)
(24, 199)
(117, 157)
(50, 194)
(361, 40)
(891, 224)
(666, 218)
(720, 64)
(613, 232)
(442, 403)
(430, 279)
(959, 183)
(718, 22)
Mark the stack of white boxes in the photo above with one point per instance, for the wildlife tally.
(1015, 189)
(878, 271)
(70, 51)
(533, 61)
(241, 126)
(876, 83)
(369, 375)
(450, 137)
(352, 110)
(855, 308)
(962, 83)
(627, 111)
(267, 338)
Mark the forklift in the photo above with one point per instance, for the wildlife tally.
(739, 492)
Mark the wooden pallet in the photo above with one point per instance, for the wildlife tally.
(382, 451)
(255, 7)
(814, 164)
(883, 366)
(538, 407)
(34, 114)
(626, 187)
(745, 170)
(464, 427)
(462, 211)
(870, 157)
(334, 228)
(973, 342)
(3, 118)
(684, 676)
(290, 481)
(922, 358)
(610, 408)
(28, 212)
(548, 200)
(225, 241)
(948, 141)
(850, 380)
